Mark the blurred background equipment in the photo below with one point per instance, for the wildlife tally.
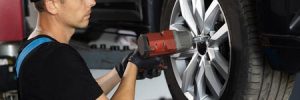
(11, 33)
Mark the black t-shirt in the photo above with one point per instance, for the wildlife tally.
(56, 71)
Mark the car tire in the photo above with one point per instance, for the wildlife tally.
(250, 75)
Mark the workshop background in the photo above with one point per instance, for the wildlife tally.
(101, 54)
(240, 49)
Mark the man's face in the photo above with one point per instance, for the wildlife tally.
(76, 13)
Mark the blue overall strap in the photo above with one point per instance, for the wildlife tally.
(35, 43)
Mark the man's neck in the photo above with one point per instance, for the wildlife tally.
(48, 25)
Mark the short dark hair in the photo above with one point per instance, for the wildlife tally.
(40, 5)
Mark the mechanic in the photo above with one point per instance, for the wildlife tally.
(53, 70)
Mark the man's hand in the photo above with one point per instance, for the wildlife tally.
(144, 63)
(142, 74)
(126, 89)
(147, 67)
(122, 66)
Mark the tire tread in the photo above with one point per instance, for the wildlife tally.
(264, 83)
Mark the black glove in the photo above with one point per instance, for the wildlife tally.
(144, 63)
(147, 67)
(122, 66)
(150, 73)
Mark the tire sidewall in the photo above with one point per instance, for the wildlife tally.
(240, 46)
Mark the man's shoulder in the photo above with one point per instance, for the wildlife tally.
(48, 47)
(50, 50)
(53, 55)
(57, 49)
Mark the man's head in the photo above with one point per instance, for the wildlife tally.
(73, 13)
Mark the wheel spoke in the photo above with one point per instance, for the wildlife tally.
(211, 15)
(199, 10)
(188, 74)
(189, 96)
(201, 93)
(213, 82)
(180, 20)
(177, 66)
(178, 25)
(187, 15)
(194, 5)
(185, 54)
(175, 13)
(219, 37)
(221, 64)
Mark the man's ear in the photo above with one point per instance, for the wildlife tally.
(52, 6)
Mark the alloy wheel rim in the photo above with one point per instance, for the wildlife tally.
(203, 71)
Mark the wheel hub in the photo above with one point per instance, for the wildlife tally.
(201, 47)
(201, 43)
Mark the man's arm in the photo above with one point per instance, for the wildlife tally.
(126, 89)
(128, 72)
(108, 81)
(102, 97)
